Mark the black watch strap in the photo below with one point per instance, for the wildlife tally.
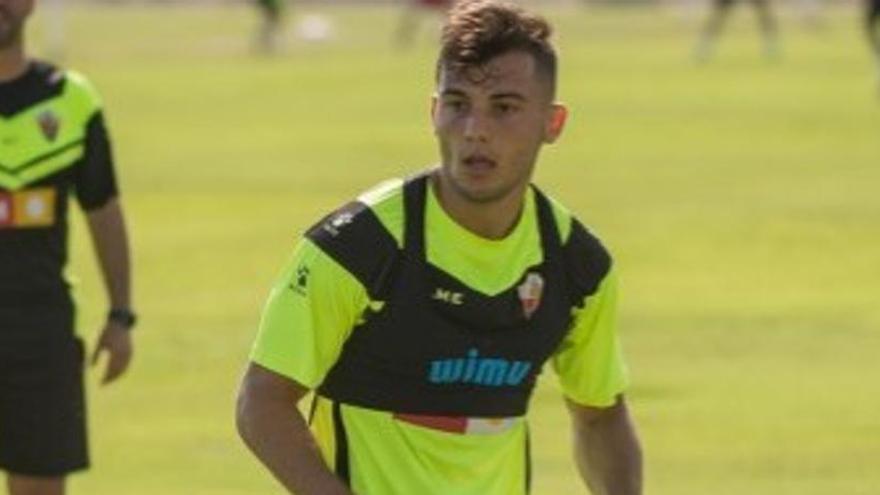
(122, 316)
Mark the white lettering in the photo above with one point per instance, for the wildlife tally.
(447, 296)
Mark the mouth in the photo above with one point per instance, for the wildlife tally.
(479, 163)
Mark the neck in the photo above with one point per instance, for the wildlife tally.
(491, 220)
(13, 62)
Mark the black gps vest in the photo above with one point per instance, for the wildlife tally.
(436, 346)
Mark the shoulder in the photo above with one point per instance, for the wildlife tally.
(587, 259)
(48, 74)
(357, 236)
(561, 215)
(376, 212)
(80, 90)
(589, 262)
(42, 81)
(386, 202)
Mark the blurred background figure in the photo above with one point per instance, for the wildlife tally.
(413, 11)
(269, 30)
(54, 146)
(872, 25)
(717, 18)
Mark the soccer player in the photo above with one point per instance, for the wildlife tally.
(717, 18)
(52, 142)
(422, 313)
(413, 10)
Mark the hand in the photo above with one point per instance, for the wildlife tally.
(115, 340)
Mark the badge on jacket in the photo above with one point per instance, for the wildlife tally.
(49, 124)
(530, 292)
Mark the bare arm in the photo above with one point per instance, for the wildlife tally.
(107, 227)
(272, 427)
(607, 450)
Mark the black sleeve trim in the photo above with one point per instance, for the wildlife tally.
(587, 260)
(95, 177)
(356, 239)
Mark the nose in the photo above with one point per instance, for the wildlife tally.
(476, 128)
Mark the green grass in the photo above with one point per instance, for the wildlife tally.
(739, 197)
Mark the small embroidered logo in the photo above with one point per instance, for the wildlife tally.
(335, 224)
(448, 296)
(301, 284)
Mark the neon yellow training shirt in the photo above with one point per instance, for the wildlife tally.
(316, 303)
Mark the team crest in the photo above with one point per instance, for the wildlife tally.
(49, 124)
(530, 293)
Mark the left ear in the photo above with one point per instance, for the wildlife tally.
(555, 122)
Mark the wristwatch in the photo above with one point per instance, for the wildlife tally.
(122, 316)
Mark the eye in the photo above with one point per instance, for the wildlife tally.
(505, 108)
(455, 105)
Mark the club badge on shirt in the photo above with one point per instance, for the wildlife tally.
(530, 292)
(49, 124)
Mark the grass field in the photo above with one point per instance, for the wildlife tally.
(739, 197)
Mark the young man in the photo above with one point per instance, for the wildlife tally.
(52, 141)
(717, 18)
(422, 313)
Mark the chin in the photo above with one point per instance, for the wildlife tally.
(480, 190)
(483, 195)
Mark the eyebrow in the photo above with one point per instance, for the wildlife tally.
(457, 93)
(508, 95)
(453, 92)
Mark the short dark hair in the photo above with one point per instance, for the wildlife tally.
(476, 31)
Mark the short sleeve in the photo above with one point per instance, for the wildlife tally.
(95, 179)
(310, 313)
(589, 361)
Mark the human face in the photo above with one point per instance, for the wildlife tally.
(490, 122)
(13, 14)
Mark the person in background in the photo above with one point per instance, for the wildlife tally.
(718, 17)
(53, 143)
(271, 21)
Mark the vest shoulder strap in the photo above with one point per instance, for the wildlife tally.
(587, 262)
(356, 239)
